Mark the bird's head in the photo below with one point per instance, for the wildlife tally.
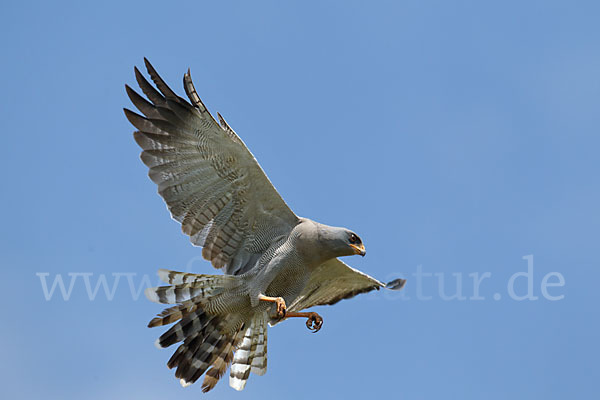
(341, 241)
(355, 244)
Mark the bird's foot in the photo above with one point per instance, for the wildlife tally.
(280, 306)
(314, 322)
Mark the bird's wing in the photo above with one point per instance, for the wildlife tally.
(210, 181)
(333, 281)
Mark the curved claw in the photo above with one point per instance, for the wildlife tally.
(314, 322)
(281, 307)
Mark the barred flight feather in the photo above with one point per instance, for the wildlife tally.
(196, 162)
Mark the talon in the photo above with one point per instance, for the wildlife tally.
(314, 322)
(281, 307)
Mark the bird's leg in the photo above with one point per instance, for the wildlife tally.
(281, 307)
(314, 321)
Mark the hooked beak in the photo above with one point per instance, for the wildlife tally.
(359, 249)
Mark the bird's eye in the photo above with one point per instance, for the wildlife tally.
(353, 238)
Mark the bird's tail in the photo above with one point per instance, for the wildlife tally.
(251, 354)
(212, 339)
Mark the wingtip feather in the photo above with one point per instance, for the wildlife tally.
(148, 65)
(396, 284)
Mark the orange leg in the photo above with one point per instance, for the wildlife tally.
(314, 321)
(281, 307)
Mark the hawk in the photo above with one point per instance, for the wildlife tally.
(276, 263)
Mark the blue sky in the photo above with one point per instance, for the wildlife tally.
(456, 138)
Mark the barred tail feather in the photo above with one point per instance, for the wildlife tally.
(196, 321)
(218, 368)
(259, 361)
(250, 355)
(178, 278)
(186, 286)
(242, 359)
(172, 314)
(205, 345)
(191, 367)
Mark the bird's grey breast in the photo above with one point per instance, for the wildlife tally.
(289, 280)
(288, 270)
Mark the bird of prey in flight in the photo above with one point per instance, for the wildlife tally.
(276, 263)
